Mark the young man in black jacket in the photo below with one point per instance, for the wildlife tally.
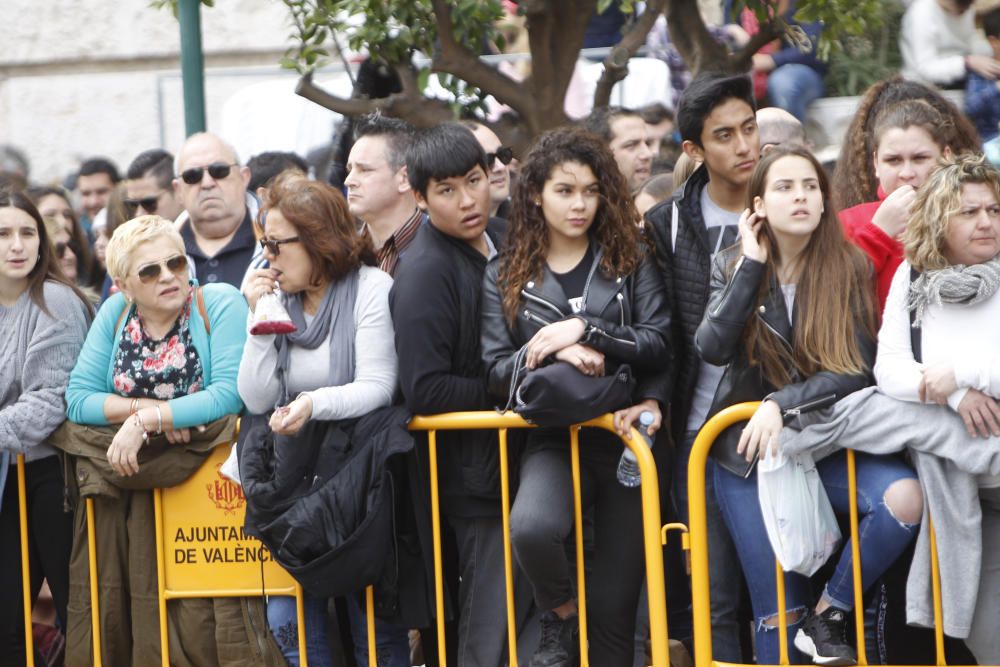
(718, 127)
(435, 310)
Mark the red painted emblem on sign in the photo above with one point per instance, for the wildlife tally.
(225, 493)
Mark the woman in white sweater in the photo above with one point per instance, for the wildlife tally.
(340, 364)
(938, 340)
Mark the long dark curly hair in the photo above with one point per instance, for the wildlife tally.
(616, 224)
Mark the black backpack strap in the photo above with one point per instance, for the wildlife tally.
(915, 332)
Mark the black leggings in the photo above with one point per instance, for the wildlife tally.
(50, 536)
(541, 522)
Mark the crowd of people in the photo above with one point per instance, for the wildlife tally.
(445, 271)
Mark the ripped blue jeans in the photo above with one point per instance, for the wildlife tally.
(882, 539)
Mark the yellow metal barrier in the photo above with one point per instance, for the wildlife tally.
(701, 602)
(460, 421)
(202, 551)
(226, 562)
(206, 493)
(22, 509)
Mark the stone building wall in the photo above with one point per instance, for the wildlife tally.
(87, 77)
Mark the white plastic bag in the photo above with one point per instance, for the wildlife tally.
(800, 523)
(270, 317)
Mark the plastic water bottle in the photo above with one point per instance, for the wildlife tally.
(628, 467)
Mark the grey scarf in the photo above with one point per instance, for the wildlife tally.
(960, 284)
(334, 321)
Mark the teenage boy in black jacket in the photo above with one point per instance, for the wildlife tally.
(719, 129)
(435, 311)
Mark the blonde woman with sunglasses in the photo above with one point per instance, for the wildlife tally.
(161, 359)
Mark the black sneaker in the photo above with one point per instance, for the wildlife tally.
(823, 636)
(559, 645)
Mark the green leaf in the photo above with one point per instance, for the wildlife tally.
(423, 77)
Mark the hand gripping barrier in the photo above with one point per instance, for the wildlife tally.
(650, 520)
(701, 604)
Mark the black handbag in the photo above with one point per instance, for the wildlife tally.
(560, 395)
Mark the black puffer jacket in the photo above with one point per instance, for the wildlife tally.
(719, 340)
(627, 319)
(684, 257)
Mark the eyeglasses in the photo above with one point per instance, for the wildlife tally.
(150, 272)
(274, 245)
(60, 248)
(148, 204)
(217, 170)
(503, 153)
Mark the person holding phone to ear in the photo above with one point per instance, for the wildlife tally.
(792, 317)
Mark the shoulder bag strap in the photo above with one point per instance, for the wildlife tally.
(915, 332)
(200, 298)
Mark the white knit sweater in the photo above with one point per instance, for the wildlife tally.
(965, 337)
(375, 368)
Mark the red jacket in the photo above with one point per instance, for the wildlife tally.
(885, 252)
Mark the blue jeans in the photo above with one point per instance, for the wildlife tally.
(392, 644)
(882, 537)
(724, 576)
(793, 87)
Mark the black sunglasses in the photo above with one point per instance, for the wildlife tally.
(504, 154)
(217, 170)
(60, 249)
(150, 272)
(274, 245)
(148, 204)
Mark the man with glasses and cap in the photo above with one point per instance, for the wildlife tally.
(218, 232)
(149, 185)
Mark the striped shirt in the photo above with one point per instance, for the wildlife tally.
(388, 255)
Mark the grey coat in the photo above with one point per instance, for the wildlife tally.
(947, 462)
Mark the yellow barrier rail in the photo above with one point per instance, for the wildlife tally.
(701, 602)
(649, 490)
(173, 508)
(22, 510)
(170, 587)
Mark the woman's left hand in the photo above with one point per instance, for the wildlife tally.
(937, 384)
(123, 454)
(761, 431)
(290, 419)
(552, 338)
(624, 419)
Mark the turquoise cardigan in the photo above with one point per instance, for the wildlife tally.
(91, 382)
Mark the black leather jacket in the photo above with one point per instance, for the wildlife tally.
(627, 317)
(719, 341)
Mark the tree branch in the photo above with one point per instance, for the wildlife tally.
(455, 59)
(692, 39)
(742, 59)
(616, 64)
(409, 105)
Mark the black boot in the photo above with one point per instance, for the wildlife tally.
(559, 645)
